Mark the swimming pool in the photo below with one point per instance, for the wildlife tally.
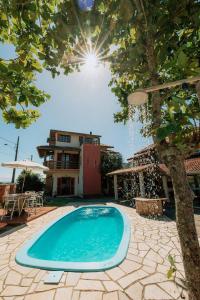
(87, 239)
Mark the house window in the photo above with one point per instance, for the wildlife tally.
(64, 138)
(88, 140)
(81, 140)
(51, 157)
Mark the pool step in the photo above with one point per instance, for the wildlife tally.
(53, 277)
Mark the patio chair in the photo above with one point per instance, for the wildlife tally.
(9, 207)
(40, 198)
(31, 204)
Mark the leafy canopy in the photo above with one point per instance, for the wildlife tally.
(33, 182)
(157, 41)
(28, 26)
(53, 34)
(110, 161)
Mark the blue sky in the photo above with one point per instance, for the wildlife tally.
(79, 102)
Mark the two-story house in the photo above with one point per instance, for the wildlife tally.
(73, 160)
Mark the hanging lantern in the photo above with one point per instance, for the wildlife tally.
(85, 5)
(138, 98)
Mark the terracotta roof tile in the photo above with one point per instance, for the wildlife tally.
(192, 167)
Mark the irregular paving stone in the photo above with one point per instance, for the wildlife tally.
(149, 262)
(142, 253)
(133, 245)
(12, 290)
(129, 266)
(1, 286)
(133, 251)
(33, 273)
(72, 278)
(87, 285)
(63, 278)
(32, 288)
(122, 296)
(135, 291)
(162, 269)
(110, 296)
(26, 281)
(95, 275)
(91, 296)
(22, 270)
(49, 295)
(44, 287)
(158, 277)
(75, 295)
(131, 278)
(171, 288)
(8, 298)
(4, 272)
(40, 275)
(135, 258)
(155, 293)
(63, 294)
(13, 278)
(143, 247)
(111, 286)
(159, 238)
(153, 256)
(115, 273)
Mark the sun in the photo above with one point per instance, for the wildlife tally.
(91, 59)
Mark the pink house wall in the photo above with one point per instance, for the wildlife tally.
(91, 169)
(5, 189)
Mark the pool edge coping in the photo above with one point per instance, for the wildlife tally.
(22, 257)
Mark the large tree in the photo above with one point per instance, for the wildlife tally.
(154, 42)
(158, 42)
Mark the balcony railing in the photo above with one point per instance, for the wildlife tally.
(62, 164)
(53, 141)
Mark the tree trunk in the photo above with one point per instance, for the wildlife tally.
(185, 222)
(182, 192)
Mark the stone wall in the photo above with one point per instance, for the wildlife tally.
(149, 207)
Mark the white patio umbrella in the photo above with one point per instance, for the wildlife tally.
(26, 165)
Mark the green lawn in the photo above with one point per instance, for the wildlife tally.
(62, 201)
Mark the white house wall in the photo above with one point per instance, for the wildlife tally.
(74, 142)
(74, 174)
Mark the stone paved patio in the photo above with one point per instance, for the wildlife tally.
(142, 275)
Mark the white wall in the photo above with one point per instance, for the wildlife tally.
(74, 142)
(74, 174)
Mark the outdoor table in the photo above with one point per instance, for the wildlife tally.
(21, 199)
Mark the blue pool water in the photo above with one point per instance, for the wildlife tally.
(89, 238)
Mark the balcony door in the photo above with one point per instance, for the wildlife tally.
(65, 186)
(63, 160)
(67, 161)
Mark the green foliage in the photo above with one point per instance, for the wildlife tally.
(33, 182)
(51, 34)
(172, 270)
(110, 161)
(173, 30)
(27, 26)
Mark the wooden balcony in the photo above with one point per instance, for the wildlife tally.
(64, 165)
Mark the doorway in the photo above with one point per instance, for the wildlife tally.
(65, 186)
